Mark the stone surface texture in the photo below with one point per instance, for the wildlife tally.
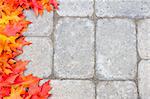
(122, 8)
(144, 79)
(76, 8)
(116, 49)
(92, 49)
(41, 25)
(74, 48)
(116, 90)
(72, 89)
(144, 38)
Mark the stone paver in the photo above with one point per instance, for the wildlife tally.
(116, 49)
(74, 52)
(144, 79)
(76, 8)
(144, 39)
(122, 8)
(40, 54)
(116, 90)
(41, 25)
(72, 89)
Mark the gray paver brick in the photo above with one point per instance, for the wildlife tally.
(116, 90)
(76, 7)
(144, 39)
(144, 79)
(116, 49)
(123, 8)
(74, 52)
(40, 54)
(72, 89)
(41, 25)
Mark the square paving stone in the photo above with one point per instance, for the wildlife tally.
(72, 89)
(40, 54)
(144, 39)
(116, 90)
(75, 7)
(144, 79)
(74, 48)
(116, 49)
(41, 25)
(123, 8)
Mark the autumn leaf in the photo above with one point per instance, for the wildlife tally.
(54, 3)
(15, 93)
(19, 66)
(13, 83)
(45, 89)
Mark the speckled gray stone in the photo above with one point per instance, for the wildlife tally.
(72, 89)
(74, 48)
(116, 49)
(41, 25)
(144, 39)
(40, 54)
(123, 8)
(75, 7)
(116, 90)
(144, 79)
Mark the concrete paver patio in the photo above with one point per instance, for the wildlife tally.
(93, 49)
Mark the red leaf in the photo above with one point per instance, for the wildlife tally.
(45, 89)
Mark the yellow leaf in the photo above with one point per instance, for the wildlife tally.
(15, 93)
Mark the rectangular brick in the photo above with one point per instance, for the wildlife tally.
(144, 79)
(76, 7)
(144, 38)
(116, 49)
(123, 8)
(72, 89)
(116, 90)
(74, 48)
